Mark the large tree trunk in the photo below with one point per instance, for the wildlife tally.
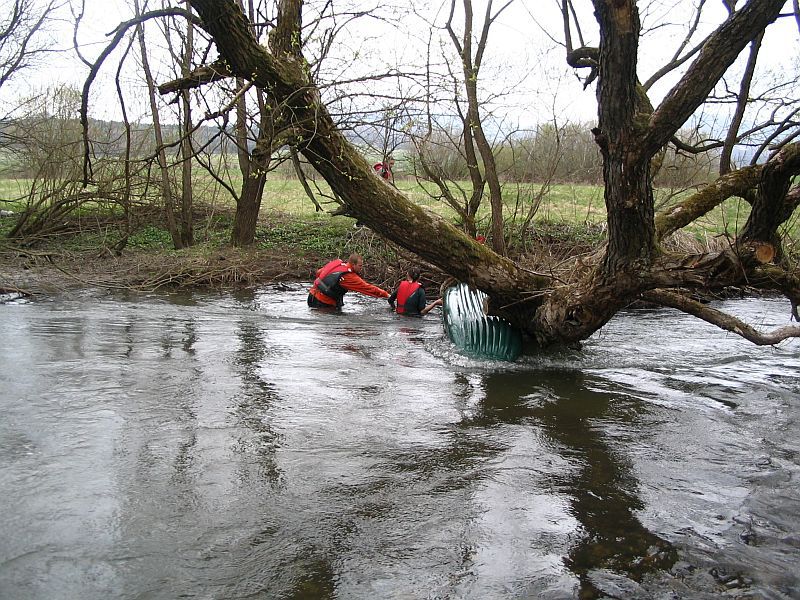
(248, 205)
(550, 310)
(626, 173)
(572, 313)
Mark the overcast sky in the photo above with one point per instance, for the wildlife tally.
(522, 57)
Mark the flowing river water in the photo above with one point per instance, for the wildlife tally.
(246, 446)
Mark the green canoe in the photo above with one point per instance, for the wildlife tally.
(475, 333)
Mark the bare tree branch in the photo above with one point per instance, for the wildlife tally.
(720, 319)
(119, 34)
(17, 36)
(717, 54)
(741, 106)
(678, 60)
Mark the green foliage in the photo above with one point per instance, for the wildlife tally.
(319, 236)
(6, 223)
(322, 237)
(151, 237)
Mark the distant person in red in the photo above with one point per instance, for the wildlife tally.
(410, 296)
(337, 278)
(384, 169)
(480, 239)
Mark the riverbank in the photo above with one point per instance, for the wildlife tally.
(51, 269)
(287, 248)
(47, 272)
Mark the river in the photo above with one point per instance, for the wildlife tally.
(178, 445)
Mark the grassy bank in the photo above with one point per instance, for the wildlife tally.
(293, 239)
(570, 204)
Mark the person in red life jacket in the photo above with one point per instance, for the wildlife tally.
(384, 169)
(337, 278)
(410, 296)
(480, 239)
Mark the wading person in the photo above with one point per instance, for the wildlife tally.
(410, 296)
(337, 278)
(384, 168)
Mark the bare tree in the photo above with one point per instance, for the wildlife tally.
(21, 27)
(23, 43)
(161, 154)
(566, 307)
(475, 140)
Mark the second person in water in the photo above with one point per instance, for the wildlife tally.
(410, 296)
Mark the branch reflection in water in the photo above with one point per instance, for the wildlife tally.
(569, 410)
(242, 446)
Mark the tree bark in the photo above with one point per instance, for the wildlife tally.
(626, 173)
(187, 152)
(283, 40)
(768, 211)
(548, 310)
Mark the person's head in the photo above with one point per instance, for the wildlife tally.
(413, 274)
(356, 262)
(389, 161)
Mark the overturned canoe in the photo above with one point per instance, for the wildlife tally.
(475, 333)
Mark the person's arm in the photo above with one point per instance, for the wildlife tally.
(431, 306)
(354, 283)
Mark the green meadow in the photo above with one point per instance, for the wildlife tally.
(571, 205)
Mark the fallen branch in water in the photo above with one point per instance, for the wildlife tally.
(15, 290)
(721, 319)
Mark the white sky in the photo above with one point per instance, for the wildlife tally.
(519, 50)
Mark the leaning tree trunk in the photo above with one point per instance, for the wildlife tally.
(550, 310)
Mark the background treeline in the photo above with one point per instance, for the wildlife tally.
(32, 146)
(563, 154)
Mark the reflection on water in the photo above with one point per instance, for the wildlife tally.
(248, 446)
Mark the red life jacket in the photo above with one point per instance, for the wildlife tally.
(382, 169)
(327, 283)
(404, 292)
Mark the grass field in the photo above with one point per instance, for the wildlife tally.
(568, 204)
